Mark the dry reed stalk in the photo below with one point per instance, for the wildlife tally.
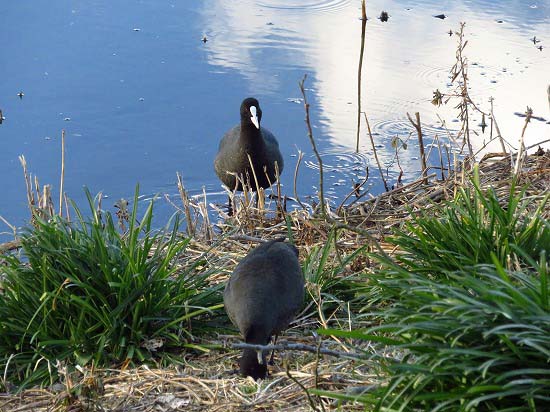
(28, 183)
(376, 153)
(259, 190)
(449, 134)
(298, 162)
(45, 204)
(191, 228)
(208, 230)
(355, 190)
(39, 200)
(8, 224)
(462, 71)
(440, 157)
(279, 205)
(246, 193)
(37, 189)
(494, 121)
(61, 183)
(449, 170)
(321, 193)
(418, 128)
(359, 70)
(67, 206)
(522, 152)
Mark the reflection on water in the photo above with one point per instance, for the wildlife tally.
(406, 59)
(141, 96)
(307, 6)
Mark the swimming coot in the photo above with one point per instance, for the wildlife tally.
(263, 295)
(248, 138)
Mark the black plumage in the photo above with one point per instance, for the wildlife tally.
(262, 297)
(248, 139)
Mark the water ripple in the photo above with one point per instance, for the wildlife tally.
(349, 164)
(317, 6)
(403, 127)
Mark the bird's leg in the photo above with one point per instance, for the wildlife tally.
(260, 355)
(273, 351)
(230, 210)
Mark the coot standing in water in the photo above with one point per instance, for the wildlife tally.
(248, 139)
(263, 295)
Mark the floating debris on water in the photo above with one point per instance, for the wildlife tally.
(384, 16)
(296, 100)
(440, 16)
(20, 94)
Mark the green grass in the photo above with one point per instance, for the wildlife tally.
(479, 341)
(330, 283)
(474, 228)
(83, 292)
(467, 307)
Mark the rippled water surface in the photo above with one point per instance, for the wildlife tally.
(142, 96)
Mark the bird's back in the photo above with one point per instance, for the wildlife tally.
(265, 291)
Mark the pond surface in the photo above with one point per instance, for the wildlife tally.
(142, 96)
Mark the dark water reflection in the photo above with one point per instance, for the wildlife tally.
(141, 96)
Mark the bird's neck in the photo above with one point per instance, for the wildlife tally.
(250, 134)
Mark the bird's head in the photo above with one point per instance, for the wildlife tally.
(251, 112)
(250, 366)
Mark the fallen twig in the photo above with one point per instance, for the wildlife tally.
(298, 347)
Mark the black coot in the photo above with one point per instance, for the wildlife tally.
(248, 138)
(263, 295)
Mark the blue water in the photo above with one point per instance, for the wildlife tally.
(141, 96)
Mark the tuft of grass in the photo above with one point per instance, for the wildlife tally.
(466, 310)
(330, 283)
(477, 341)
(474, 228)
(83, 293)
